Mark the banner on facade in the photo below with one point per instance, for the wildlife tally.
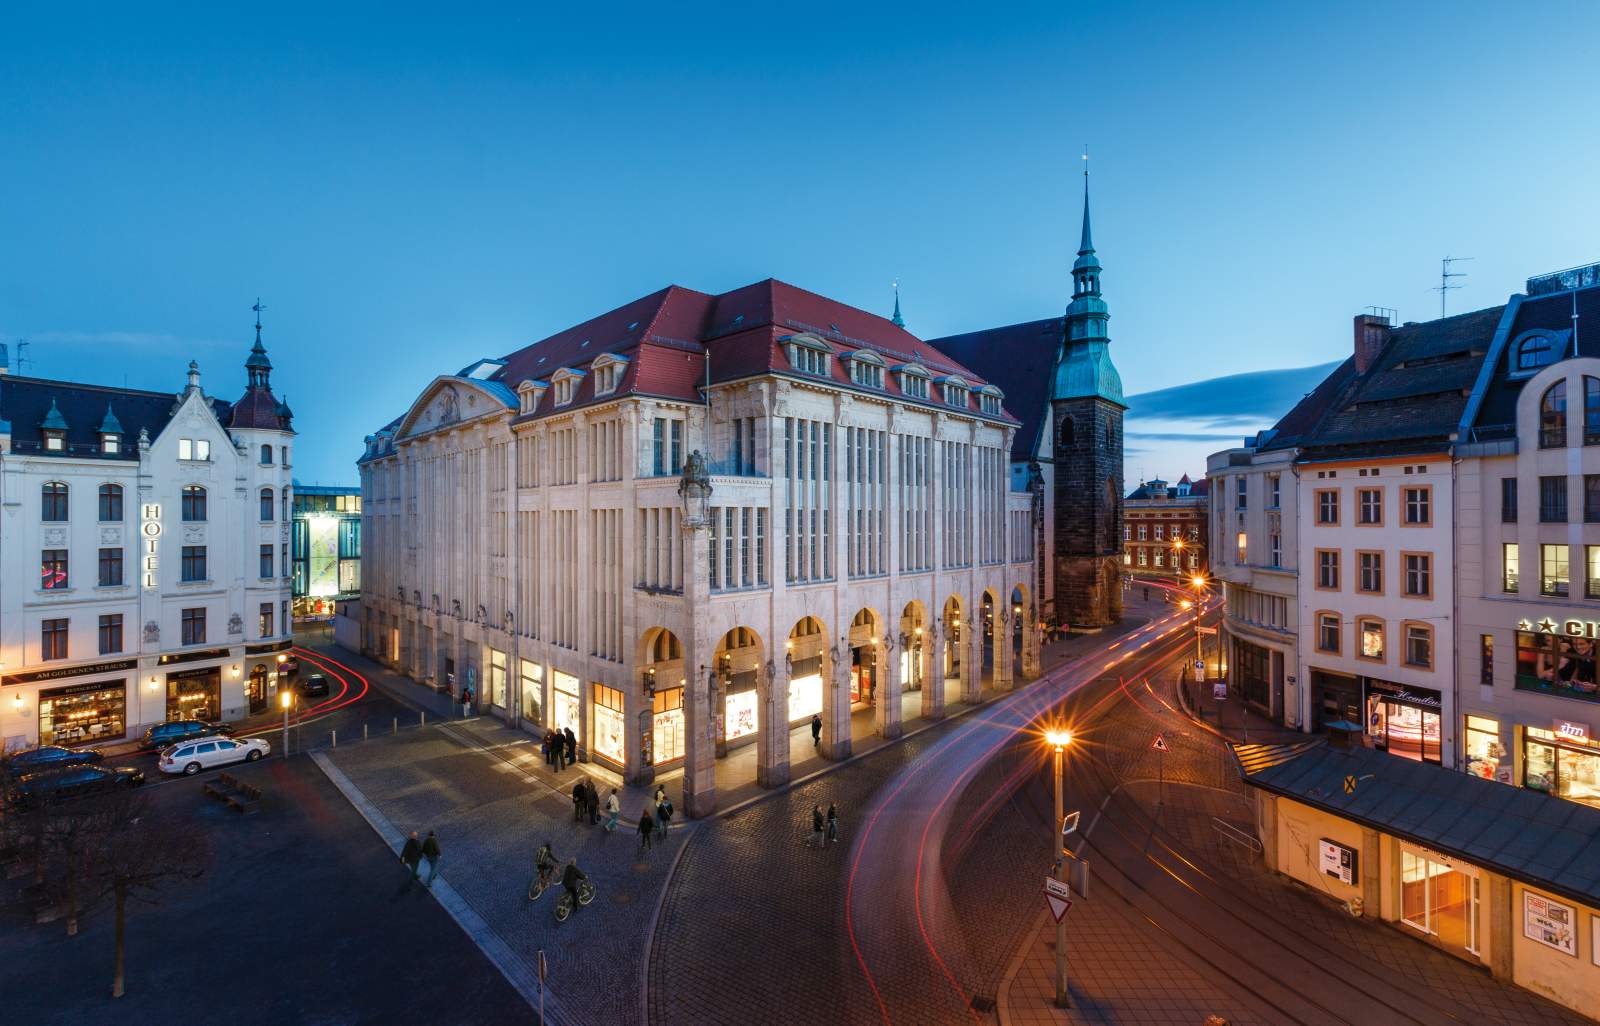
(1549, 922)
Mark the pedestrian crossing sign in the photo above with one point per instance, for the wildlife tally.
(1159, 744)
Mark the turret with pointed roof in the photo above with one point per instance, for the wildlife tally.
(1085, 368)
(897, 320)
(259, 408)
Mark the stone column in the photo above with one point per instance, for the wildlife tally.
(1499, 924)
(772, 741)
(1002, 648)
(887, 714)
(932, 673)
(836, 705)
(700, 726)
(972, 658)
(1030, 644)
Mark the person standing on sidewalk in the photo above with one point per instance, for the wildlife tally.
(430, 851)
(411, 855)
(816, 731)
(580, 802)
(656, 802)
(664, 810)
(558, 750)
(647, 825)
(816, 827)
(572, 746)
(544, 747)
(833, 823)
(613, 810)
(592, 801)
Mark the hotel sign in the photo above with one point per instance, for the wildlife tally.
(1566, 628)
(150, 544)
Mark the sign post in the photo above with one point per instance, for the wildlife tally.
(544, 971)
(1057, 897)
(1160, 747)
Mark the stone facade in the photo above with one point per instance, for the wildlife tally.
(1088, 511)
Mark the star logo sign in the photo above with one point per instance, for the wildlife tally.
(1547, 626)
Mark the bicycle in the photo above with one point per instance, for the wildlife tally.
(540, 883)
(564, 905)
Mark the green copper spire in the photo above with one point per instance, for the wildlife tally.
(1085, 367)
(897, 320)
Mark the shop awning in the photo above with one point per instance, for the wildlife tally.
(1548, 842)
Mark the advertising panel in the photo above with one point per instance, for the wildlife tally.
(322, 534)
(805, 697)
(741, 713)
(1549, 922)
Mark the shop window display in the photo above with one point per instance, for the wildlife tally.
(83, 714)
(1556, 664)
(497, 679)
(564, 703)
(1566, 769)
(741, 718)
(195, 695)
(1483, 748)
(668, 727)
(532, 693)
(608, 735)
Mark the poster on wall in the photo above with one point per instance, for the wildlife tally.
(805, 697)
(1549, 922)
(1338, 861)
(741, 706)
(322, 539)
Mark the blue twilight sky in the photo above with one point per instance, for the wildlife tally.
(411, 187)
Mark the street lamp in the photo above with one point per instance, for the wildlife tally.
(286, 699)
(1059, 740)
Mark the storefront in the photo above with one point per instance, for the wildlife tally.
(805, 689)
(862, 675)
(1482, 749)
(606, 740)
(1564, 761)
(911, 666)
(532, 688)
(496, 684)
(195, 694)
(83, 714)
(740, 713)
(255, 690)
(1335, 698)
(667, 727)
(1440, 898)
(1404, 720)
(565, 703)
(1252, 673)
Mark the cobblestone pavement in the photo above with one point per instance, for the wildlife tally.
(753, 926)
(1401, 978)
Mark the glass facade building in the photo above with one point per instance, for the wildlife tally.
(325, 549)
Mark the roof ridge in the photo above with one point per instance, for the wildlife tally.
(118, 389)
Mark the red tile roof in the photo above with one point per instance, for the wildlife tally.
(258, 409)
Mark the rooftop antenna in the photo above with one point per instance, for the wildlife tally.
(1444, 288)
(22, 353)
(260, 306)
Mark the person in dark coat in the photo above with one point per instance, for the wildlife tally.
(430, 851)
(664, 813)
(544, 747)
(647, 825)
(572, 746)
(558, 750)
(411, 854)
(816, 730)
(816, 826)
(833, 823)
(580, 802)
(593, 803)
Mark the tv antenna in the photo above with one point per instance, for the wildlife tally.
(1444, 288)
(22, 353)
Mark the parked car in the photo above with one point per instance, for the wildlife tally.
(173, 732)
(191, 757)
(49, 757)
(72, 782)
(316, 684)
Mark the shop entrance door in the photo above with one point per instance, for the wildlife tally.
(1440, 899)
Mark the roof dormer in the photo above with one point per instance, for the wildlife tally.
(54, 429)
(866, 368)
(956, 390)
(914, 379)
(608, 369)
(809, 353)
(110, 434)
(565, 382)
(529, 393)
(989, 400)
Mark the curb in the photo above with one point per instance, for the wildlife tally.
(523, 979)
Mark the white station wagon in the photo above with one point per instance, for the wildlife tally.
(191, 757)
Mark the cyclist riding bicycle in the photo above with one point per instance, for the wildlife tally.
(545, 863)
(570, 879)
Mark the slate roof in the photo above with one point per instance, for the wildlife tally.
(1019, 358)
(1497, 414)
(1409, 401)
(258, 409)
(25, 403)
(1544, 841)
(667, 336)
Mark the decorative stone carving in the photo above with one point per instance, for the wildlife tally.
(481, 615)
(194, 534)
(55, 536)
(110, 536)
(449, 406)
(152, 632)
(455, 608)
(235, 624)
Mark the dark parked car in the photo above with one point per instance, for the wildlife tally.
(163, 735)
(49, 757)
(72, 782)
(316, 684)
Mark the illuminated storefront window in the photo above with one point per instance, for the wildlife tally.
(564, 702)
(83, 714)
(805, 690)
(1563, 764)
(497, 678)
(606, 706)
(1404, 720)
(532, 693)
(194, 695)
(1483, 746)
(740, 712)
(668, 725)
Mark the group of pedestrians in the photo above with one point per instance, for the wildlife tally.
(559, 748)
(654, 819)
(824, 829)
(414, 851)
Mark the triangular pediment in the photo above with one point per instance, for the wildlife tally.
(450, 400)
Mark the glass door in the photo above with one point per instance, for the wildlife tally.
(1440, 900)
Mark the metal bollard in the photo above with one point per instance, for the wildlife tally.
(335, 734)
(396, 725)
(364, 732)
(424, 721)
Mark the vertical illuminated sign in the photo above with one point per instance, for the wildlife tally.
(150, 540)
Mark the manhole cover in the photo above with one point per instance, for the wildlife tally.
(620, 898)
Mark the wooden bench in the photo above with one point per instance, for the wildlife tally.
(245, 799)
(222, 787)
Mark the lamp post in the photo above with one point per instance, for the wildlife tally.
(286, 699)
(1059, 740)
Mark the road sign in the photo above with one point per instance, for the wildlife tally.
(1219, 690)
(1199, 671)
(1058, 896)
(1205, 630)
(1069, 824)
(1349, 784)
(1159, 744)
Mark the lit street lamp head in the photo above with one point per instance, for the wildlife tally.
(286, 698)
(1199, 582)
(1058, 738)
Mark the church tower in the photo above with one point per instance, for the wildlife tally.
(1086, 409)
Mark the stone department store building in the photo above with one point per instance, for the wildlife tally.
(693, 522)
(144, 555)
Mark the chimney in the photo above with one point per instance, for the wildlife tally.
(1372, 334)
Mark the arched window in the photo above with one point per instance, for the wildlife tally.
(1534, 352)
(1066, 433)
(1553, 417)
(266, 455)
(110, 503)
(266, 505)
(1591, 410)
(194, 503)
(53, 501)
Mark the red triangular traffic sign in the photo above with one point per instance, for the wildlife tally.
(1058, 906)
(1159, 744)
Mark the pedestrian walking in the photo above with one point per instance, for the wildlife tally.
(816, 730)
(664, 810)
(544, 747)
(430, 851)
(580, 802)
(572, 746)
(593, 802)
(558, 750)
(656, 802)
(833, 823)
(816, 827)
(411, 855)
(647, 826)
(613, 810)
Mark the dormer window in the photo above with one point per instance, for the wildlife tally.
(55, 441)
(809, 354)
(1536, 349)
(608, 373)
(955, 391)
(565, 381)
(989, 400)
(866, 369)
(529, 393)
(110, 444)
(914, 380)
